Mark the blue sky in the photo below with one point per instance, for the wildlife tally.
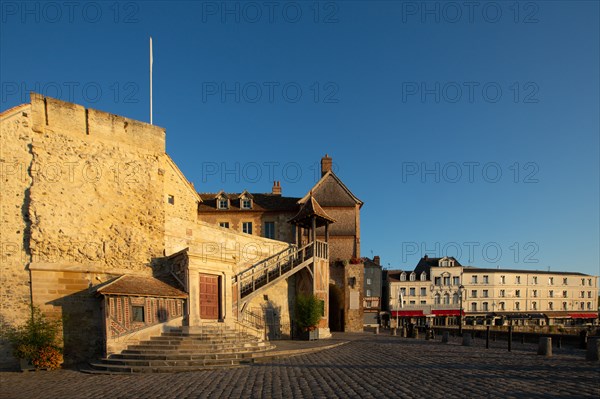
(469, 131)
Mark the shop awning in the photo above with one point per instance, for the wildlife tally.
(583, 315)
(407, 313)
(447, 312)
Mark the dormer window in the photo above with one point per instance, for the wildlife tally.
(245, 200)
(223, 203)
(423, 276)
(403, 276)
(412, 276)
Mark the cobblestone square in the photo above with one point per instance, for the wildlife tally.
(368, 366)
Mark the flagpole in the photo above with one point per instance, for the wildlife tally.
(151, 61)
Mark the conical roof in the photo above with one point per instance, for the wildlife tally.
(310, 209)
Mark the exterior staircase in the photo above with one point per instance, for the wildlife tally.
(270, 271)
(179, 350)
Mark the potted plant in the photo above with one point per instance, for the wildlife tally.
(35, 343)
(308, 312)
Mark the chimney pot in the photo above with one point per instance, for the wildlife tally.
(276, 190)
(326, 164)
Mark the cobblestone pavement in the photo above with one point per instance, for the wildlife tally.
(369, 366)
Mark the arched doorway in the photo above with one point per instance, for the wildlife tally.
(336, 308)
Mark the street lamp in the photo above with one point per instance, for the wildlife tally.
(460, 314)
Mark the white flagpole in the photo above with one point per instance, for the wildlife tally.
(151, 61)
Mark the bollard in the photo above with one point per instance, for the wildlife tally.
(487, 337)
(445, 337)
(593, 349)
(466, 341)
(394, 331)
(415, 334)
(377, 330)
(545, 346)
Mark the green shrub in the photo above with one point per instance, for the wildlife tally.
(308, 311)
(37, 340)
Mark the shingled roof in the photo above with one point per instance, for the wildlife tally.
(140, 286)
(309, 209)
(261, 202)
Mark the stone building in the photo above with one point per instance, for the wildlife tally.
(434, 289)
(268, 215)
(100, 228)
(372, 291)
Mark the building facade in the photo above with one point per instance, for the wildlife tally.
(439, 290)
(372, 291)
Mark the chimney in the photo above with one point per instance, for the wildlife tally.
(376, 260)
(425, 257)
(276, 190)
(326, 163)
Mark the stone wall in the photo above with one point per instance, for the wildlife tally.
(82, 201)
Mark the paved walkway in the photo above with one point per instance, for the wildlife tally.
(369, 366)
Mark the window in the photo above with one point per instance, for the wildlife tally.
(223, 203)
(455, 298)
(486, 279)
(473, 293)
(446, 299)
(436, 299)
(246, 203)
(423, 276)
(446, 280)
(582, 306)
(533, 305)
(550, 306)
(269, 230)
(413, 302)
(534, 293)
(565, 280)
(455, 280)
(423, 302)
(589, 294)
(551, 294)
(589, 306)
(413, 276)
(502, 293)
(438, 281)
(551, 280)
(582, 281)
(247, 227)
(171, 199)
(582, 294)
(484, 293)
(518, 293)
(403, 276)
(368, 292)
(368, 282)
(517, 306)
(534, 280)
(137, 314)
(423, 291)
(473, 279)
(412, 292)
(590, 282)
(502, 306)
(403, 291)
(564, 306)
(518, 280)
(502, 279)
(474, 306)
(484, 306)
(565, 294)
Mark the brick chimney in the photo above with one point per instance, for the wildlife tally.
(376, 260)
(326, 163)
(276, 190)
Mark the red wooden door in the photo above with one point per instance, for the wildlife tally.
(209, 296)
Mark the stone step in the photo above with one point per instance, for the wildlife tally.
(101, 368)
(190, 361)
(180, 356)
(129, 352)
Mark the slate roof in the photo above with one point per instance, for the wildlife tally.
(426, 263)
(471, 269)
(260, 202)
(140, 286)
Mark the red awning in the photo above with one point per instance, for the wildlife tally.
(447, 312)
(407, 313)
(583, 315)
